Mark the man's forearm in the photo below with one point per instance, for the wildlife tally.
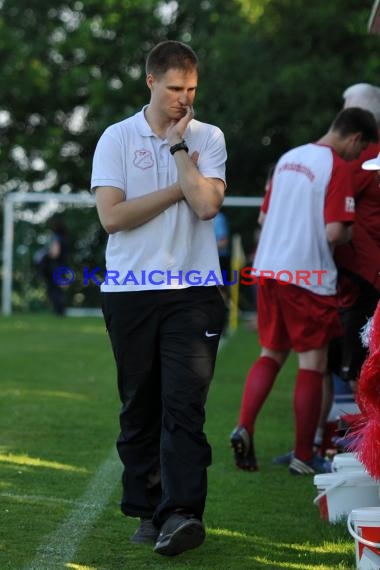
(123, 215)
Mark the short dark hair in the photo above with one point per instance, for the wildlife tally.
(170, 55)
(355, 120)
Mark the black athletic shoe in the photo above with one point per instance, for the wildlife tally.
(179, 533)
(244, 453)
(146, 533)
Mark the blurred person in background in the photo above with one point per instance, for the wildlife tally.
(53, 257)
(358, 261)
(358, 286)
(311, 209)
(358, 264)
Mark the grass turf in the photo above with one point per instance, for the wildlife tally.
(58, 422)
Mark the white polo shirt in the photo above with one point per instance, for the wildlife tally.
(175, 249)
(311, 187)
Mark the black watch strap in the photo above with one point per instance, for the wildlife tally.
(179, 146)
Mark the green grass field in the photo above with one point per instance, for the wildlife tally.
(59, 474)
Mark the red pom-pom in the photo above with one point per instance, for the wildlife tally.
(367, 442)
(352, 420)
(367, 447)
(368, 395)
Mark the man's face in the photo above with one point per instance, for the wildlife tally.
(173, 92)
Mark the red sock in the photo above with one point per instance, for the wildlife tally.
(307, 407)
(258, 384)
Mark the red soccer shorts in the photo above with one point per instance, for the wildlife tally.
(293, 317)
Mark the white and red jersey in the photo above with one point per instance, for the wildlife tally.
(311, 187)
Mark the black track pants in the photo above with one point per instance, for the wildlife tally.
(165, 345)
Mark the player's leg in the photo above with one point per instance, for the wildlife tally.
(261, 376)
(312, 321)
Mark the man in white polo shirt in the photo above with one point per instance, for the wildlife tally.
(159, 178)
(311, 207)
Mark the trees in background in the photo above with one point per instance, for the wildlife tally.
(272, 73)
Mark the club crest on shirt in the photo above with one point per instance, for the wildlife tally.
(350, 204)
(143, 159)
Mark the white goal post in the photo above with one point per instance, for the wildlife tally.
(374, 19)
(83, 198)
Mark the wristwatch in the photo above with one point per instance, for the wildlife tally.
(179, 146)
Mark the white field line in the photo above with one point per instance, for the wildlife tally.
(60, 547)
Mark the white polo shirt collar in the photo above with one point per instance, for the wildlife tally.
(142, 124)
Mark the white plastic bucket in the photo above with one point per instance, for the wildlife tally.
(364, 525)
(339, 493)
(346, 462)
